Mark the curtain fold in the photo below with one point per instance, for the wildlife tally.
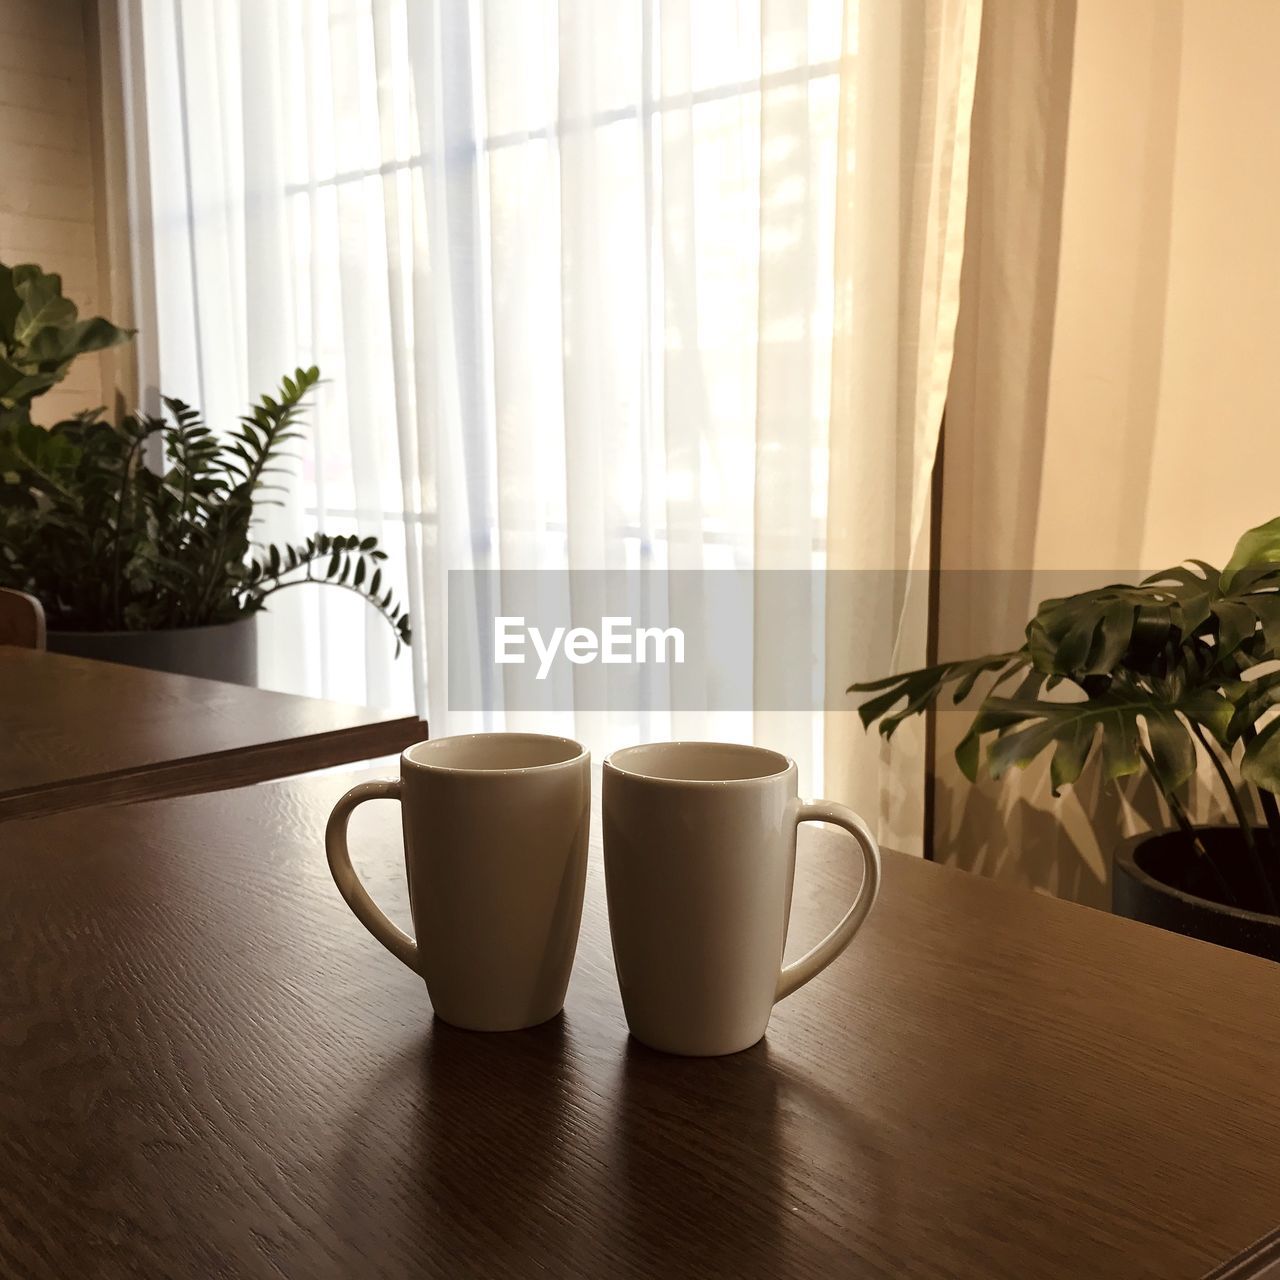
(645, 285)
(904, 144)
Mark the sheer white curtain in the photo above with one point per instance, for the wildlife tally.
(575, 274)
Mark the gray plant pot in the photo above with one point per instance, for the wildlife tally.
(226, 652)
(1161, 880)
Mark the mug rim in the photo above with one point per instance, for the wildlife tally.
(788, 765)
(580, 753)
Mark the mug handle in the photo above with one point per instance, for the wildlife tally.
(810, 965)
(366, 910)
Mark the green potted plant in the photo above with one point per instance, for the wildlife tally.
(137, 537)
(1181, 668)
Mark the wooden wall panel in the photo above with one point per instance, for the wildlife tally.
(48, 199)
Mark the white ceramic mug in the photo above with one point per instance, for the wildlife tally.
(495, 844)
(699, 857)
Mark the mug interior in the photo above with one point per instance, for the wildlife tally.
(699, 762)
(492, 752)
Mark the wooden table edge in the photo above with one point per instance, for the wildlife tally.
(218, 770)
(1260, 1261)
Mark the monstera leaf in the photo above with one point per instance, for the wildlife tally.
(1157, 675)
(41, 334)
(1182, 654)
(1096, 631)
(1026, 727)
(1257, 549)
(921, 688)
(1261, 761)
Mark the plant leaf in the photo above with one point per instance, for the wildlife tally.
(1210, 708)
(1259, 546)
(1261, 762)
(1072, 752)
(1068, 722)
(1173, 752)
(1236, 623)
(918, 689)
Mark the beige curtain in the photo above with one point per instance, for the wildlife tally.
(905, 121)
(1113, 400)
(997, 411)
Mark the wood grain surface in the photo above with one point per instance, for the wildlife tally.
(75, 733)
(208, 1068)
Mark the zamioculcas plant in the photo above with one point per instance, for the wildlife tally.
(107, 537)
(1154, 676)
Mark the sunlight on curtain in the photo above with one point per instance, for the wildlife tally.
(571, 273)
(525, 243)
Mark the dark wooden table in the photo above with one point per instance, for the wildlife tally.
(208, 1068)
(75, 733)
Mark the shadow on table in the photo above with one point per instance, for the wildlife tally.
(536, 1152)
(728, 1164)
(695, 1145)
(457, 1150)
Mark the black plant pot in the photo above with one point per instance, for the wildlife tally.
(1162, 880)
(227, 652)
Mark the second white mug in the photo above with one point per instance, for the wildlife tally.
(699, 856)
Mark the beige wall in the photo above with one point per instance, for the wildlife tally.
(1216, 464)
(1156, 436)
(1169, 293)
(51, 159)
